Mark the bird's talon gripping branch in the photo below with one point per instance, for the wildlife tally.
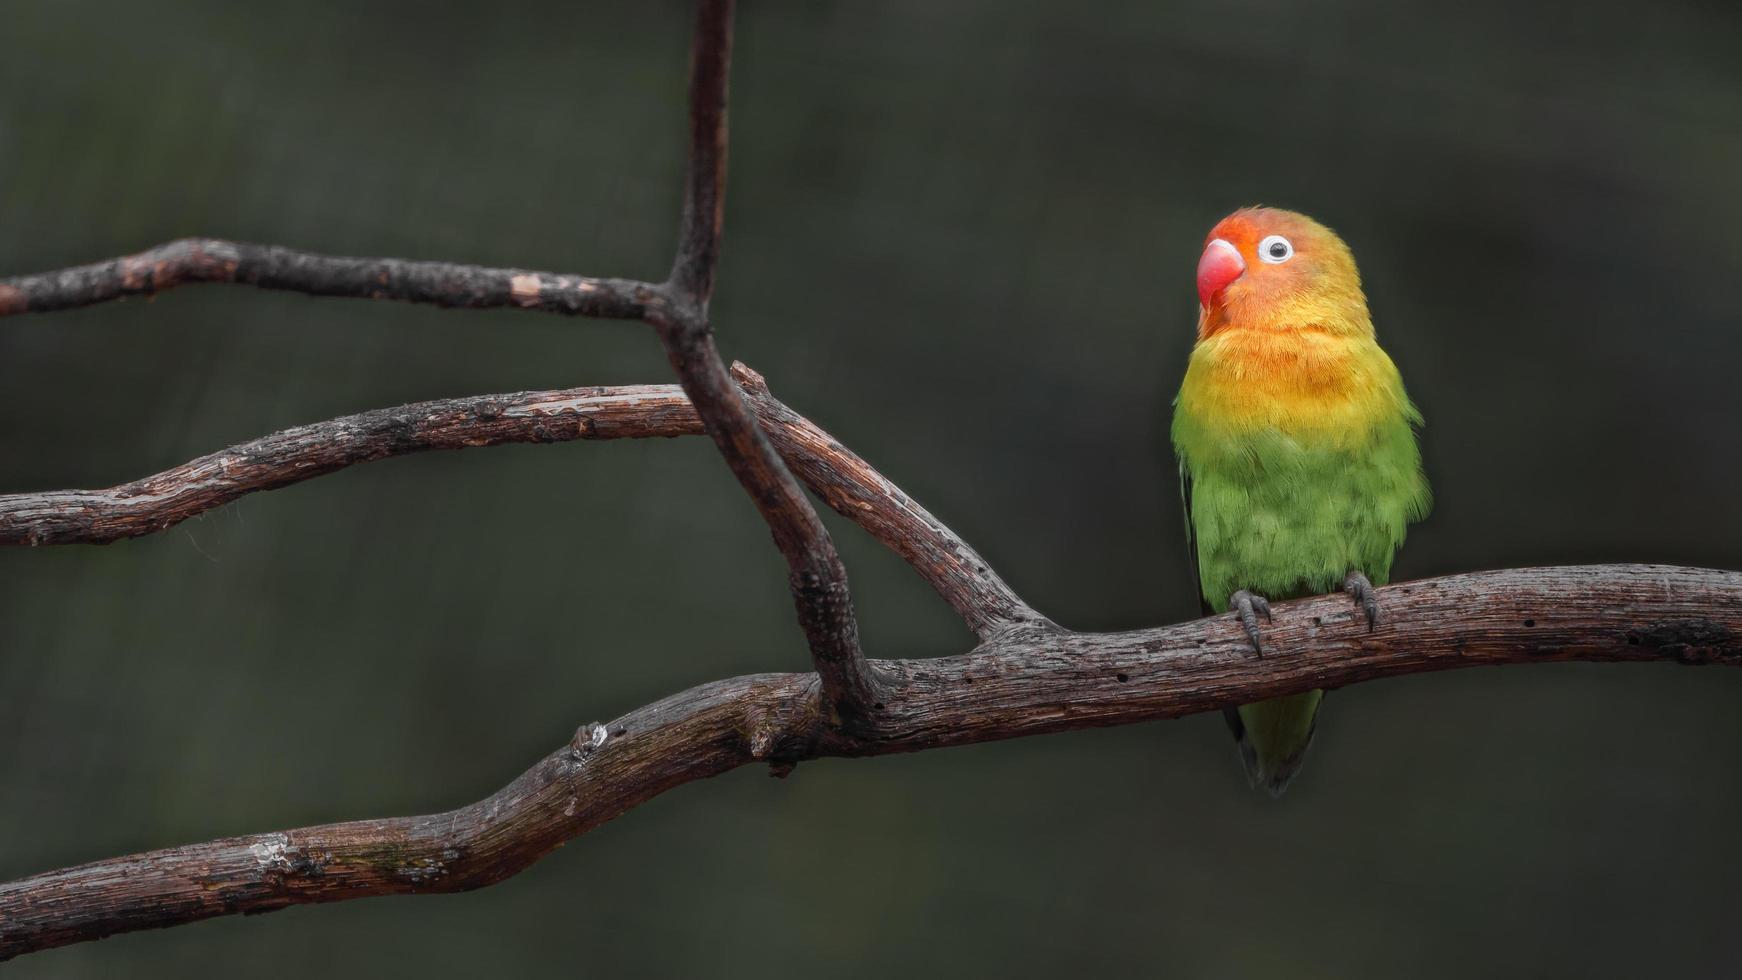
(1361, 590)
(1248, 606)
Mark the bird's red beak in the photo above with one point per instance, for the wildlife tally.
(1220, 266)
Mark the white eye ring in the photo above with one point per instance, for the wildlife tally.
(1275, 250)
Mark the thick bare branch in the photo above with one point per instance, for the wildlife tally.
(1023, 682)
(815, 573)
(198, 260)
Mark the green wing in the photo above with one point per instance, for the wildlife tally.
(1185, 496)
(1229, 715)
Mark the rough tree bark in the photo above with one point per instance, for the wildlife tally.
(1025, 681)
(1027, 676)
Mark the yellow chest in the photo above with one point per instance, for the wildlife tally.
(1305, 384)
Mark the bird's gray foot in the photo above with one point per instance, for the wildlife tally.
(1361, 590)
(1247, 606)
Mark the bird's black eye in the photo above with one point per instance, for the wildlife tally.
(1275, 249)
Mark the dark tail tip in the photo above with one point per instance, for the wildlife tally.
(1272, 757)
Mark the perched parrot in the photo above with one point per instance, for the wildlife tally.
(1297, 448)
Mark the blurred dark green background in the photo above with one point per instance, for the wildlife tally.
(960, 236)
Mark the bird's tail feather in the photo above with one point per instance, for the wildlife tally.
(1274, 736)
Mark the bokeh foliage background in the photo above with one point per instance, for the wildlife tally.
(961, 237)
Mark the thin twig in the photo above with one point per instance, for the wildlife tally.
(205, 260)
(1023, 682)
(839, 476)
(704, 204)
(816, 575)
(165, 499)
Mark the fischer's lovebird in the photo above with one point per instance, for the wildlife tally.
(1297, 447)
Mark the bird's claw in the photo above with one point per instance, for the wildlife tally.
(1248, 606)
(1361, 590)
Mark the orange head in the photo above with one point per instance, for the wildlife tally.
(1270, 269)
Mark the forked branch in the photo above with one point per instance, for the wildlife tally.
(1027, 676)
(677, 309)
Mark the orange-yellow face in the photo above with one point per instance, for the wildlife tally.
(1271, 269)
